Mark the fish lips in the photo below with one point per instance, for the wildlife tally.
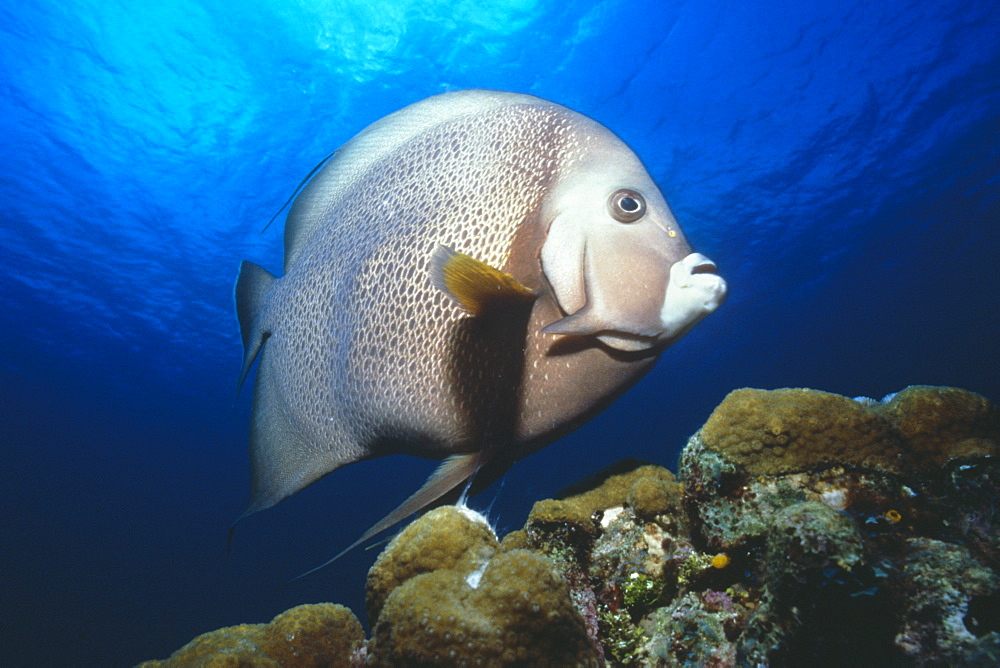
(693, 291)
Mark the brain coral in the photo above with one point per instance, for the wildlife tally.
(518, 612)
(322, 634)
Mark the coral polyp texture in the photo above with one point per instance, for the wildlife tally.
(784, 431)
(446, 538)
(803, 528)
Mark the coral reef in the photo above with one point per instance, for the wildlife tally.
(803, 528)
(784, 431)
(322, 634)
(954, 604)
(939, 424)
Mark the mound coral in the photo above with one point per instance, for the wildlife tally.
(441, 595)
(322, 634)
(446, 538)
(582, 511)
(519, 612)
(939, 424)
(784, 431)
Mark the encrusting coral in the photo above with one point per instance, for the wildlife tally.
(804, 528)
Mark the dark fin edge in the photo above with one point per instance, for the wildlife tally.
(450, 474)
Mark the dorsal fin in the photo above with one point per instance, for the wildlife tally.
(252, 286)
(298, 188)
(450, 474)
(474, 285)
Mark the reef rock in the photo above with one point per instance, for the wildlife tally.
(803, 528)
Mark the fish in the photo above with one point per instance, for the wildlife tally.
(468, 279)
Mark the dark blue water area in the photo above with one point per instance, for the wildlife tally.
(839, 161)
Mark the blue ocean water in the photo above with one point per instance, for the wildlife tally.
(840, 161)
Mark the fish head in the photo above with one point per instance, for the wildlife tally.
(618, 264)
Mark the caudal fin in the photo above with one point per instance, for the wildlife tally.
(450, 474)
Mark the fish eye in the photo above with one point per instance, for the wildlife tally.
(626, 206)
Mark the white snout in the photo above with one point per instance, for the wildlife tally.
(694, 291)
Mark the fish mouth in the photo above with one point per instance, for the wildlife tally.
(695, 289)
(704, 266)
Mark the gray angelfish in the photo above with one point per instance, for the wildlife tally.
(468, 279)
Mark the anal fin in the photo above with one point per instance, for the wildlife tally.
(473, 284)
(450, 474)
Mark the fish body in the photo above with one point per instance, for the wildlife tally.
(468, 279)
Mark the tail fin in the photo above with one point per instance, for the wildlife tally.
(450, 474)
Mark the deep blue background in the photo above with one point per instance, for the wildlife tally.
(840, 161)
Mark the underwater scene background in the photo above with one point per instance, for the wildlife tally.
(839, 161)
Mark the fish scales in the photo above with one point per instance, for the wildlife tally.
(475, 206)
(362, 332)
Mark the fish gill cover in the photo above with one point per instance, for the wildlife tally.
(839, 161)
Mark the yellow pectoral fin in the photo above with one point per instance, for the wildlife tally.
(475, 285)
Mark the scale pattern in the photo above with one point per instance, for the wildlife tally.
(375, 351)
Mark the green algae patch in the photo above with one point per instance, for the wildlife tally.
(621, 639)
